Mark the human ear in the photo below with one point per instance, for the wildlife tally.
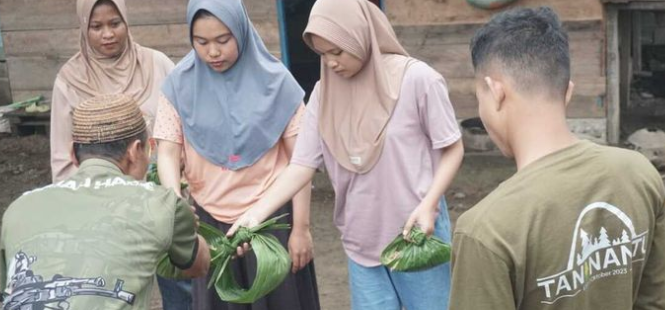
(569, 92)
(498, 92)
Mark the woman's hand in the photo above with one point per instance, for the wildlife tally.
(301, 248)
(425, 216)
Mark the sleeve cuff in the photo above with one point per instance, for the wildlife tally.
(164, 138)
(305, 163)
(191, 260)
(447, 142)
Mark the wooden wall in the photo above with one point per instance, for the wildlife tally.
(41, 35)
(439, 32)
(5, 91)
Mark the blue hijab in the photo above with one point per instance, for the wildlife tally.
(233, 118)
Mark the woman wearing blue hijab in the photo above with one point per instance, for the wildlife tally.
(229, 116)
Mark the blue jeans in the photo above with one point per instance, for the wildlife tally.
(378, 288)
(176, 294)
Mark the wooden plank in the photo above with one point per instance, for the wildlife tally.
(5, 91)
(625, 47)
(61, 14)
(585, 87)
(422, 12)
(415, 35)
(454, 60)
(636, 40)
(26, 94)
(643, 5)
(466, 106)
(646, 5)
(612, 97)
(30, 73)
(3, 69)
(172, 40)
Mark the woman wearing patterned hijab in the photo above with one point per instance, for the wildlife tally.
(382, 124)
(108, 62)
(230, 113)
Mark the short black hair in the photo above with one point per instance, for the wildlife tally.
(202, 13)
(115, 150)
(527, 44)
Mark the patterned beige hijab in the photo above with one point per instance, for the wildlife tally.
(354, 112)
(90, 73)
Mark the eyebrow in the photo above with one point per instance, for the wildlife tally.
(217, 37)
(113, 20)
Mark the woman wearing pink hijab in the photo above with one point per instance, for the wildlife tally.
(382, 124)
(108, 62)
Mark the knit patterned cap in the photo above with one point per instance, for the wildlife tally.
(107, 118)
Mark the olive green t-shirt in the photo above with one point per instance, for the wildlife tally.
(92, 241)
(582, 228)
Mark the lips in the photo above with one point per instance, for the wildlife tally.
(217, 64)
(109, 45)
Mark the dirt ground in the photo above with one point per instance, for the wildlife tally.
(24, 165)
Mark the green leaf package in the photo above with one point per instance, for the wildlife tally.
(417, 252)
(272, 260)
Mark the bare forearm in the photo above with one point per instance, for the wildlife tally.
(168, 165)
(450, 162)
(201, 262)
(301, 207)
(288, 184)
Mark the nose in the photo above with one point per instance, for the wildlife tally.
(107, 33)
(214, 52)
(332, 64)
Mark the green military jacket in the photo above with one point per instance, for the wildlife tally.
(92, 241)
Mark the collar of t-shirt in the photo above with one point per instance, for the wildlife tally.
(97, 165)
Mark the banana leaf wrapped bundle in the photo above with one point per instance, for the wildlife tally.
(416, 252)
(273, 261)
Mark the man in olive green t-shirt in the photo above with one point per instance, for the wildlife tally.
(93, 241)
(579, 226)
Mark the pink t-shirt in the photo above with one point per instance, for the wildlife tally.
(371, 208)
(224, 193)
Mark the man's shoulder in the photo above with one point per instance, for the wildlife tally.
(90, 186)
(492, 214)
(621, 157)
(626, 164)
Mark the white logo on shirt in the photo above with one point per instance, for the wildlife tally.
(596, 255)
(356, 160)
(98, 184)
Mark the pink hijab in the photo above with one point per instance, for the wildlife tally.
(354, 112)
(90, 73)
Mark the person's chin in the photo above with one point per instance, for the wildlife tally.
(111, 53)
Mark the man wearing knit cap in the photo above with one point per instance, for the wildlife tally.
(93, 241)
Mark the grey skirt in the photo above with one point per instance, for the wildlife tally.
(298, 292)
